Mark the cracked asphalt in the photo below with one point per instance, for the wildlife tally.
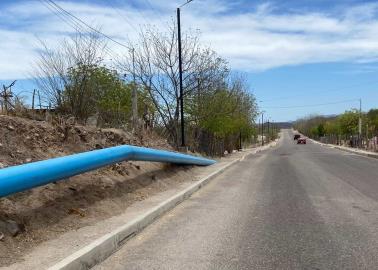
(290, 207)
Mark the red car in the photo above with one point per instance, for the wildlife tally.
(301, 141)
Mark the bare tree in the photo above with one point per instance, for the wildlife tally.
(155, 66)
(53, 67)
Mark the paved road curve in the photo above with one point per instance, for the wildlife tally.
(292, 207)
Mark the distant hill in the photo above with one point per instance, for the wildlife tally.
(284, 124)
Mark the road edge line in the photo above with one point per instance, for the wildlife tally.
(100, 249)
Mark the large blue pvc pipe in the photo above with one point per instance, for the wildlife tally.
(23, 177)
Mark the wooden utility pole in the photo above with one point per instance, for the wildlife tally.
(360, 126)
(180, 78)
(134, 96)
(262, 128)
(367, 135)
(181, 87)
(199, 97)
(33, 99)
(39, 98)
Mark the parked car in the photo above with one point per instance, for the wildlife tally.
(297, 136)
(301, 141)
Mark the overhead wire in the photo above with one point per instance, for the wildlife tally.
(72, 23)
(121, 15)
(158, 15)
(76, 24)
(51, 8)
(87, 25)
(143, 17)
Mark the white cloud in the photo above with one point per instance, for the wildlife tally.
(252, 41)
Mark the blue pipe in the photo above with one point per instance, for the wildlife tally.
(23, 177)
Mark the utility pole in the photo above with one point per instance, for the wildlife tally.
(39, 98)
(367, 135)
(134, 96)
(180, 72)
(199, 97)
(262, 128)
(180, 76)
(268, 132)
(360, 126)
(240, 141)
(33, 99)
(258, 129)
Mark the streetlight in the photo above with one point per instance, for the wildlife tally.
(180, 73)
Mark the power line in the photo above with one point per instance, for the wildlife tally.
(146, 21)
(85, 24)
(160, 18)
(61, 16)
(119, 12)
(311, 105)
(70, 21)
(187, 2)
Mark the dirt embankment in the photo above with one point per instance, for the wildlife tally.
(50, 210)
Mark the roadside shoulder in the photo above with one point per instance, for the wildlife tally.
(347, 149)
(83, 248)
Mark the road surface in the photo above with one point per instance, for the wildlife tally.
(291, 207)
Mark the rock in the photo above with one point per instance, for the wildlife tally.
(14, 228)
(28, 160)
(11, 227)
(11, 128)
(1, 236)
(2, 165)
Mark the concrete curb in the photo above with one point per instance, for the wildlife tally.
(105, 246)
(354, 151)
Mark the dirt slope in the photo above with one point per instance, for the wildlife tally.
(48, 211)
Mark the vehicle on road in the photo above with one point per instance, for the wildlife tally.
(297, 136)
(301, 141)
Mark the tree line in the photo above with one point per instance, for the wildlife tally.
(77, 80)
(343, 128)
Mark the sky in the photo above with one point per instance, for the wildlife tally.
(300, 57)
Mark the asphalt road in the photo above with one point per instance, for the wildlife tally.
(292, 207)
